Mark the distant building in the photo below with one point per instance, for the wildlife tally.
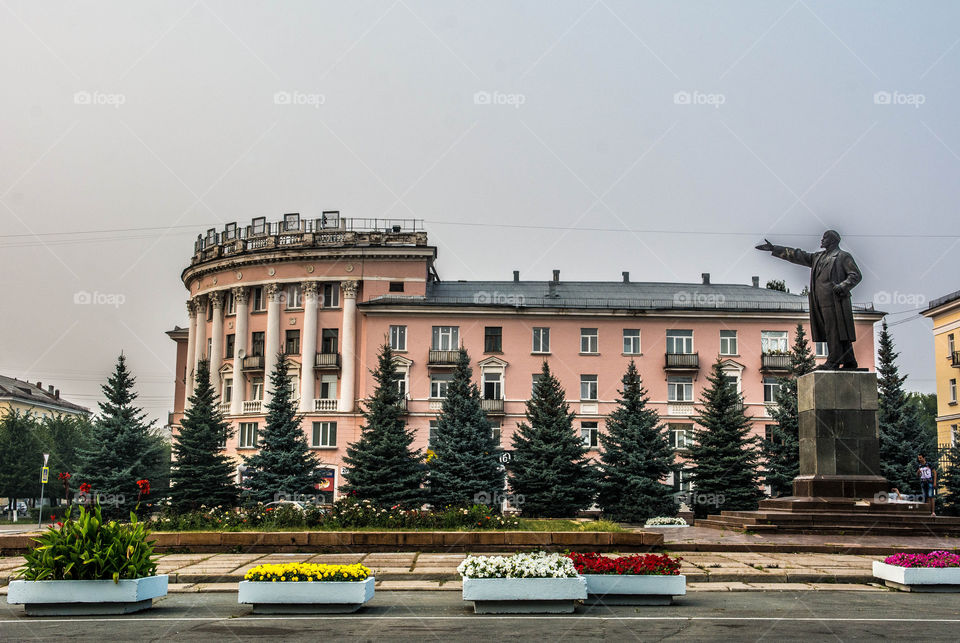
(330, 293)
(23, 396)
(945, 313)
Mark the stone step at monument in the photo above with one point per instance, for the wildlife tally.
(834, 523)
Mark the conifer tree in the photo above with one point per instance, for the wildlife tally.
(724, 454)
(949, 481)
(202, 473)
(20, 456)
(636, 457)
(382, 466)
(550, 468)
(902, 435)
(123, 447)
(284, 463)
(465, 469)
(782, 449)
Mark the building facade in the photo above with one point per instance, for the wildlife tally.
(330, 292)
(27, 397)
(945, 314)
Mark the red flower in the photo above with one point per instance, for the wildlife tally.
(63, 475)
(85, 488)
(144, 486)
(52, 518)
(649, 564)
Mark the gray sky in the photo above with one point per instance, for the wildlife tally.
(701, 127)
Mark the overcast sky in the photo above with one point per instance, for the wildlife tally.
(661, 138)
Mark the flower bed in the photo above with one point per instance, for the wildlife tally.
(666, 521)
(938, 571)
(306, 588)
(521, 584)
(649, 579)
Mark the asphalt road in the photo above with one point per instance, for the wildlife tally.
(426, 616)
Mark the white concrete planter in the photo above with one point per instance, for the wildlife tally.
(918, 579)
(306, 597)
(665, 526)
(80, 597)
(633, 589)
(524, 595)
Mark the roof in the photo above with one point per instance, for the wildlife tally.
(605, 295)
(11, 387)
(941, 301)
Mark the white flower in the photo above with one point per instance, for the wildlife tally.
(538, 565)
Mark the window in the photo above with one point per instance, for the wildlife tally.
(209, 348)
(231, 344)
(773, 341)
(536, 378)
(324, 434)
(256, 388)
(291, 222)
(248, 435)
(492, 385)
(331, 295)
(396, 286)
(293, 387)
(681, 435)
(588, 387)
(770, 387)
(820, 349)
(227, 396)
(496, 432)
(631, 341)
(953, 391)
(953, 434)
(432, 437)
(541, 340)
(293, 295)
(329, 340)
(951, 345)
(398, 338)
(493, 339)
(259, 304)
(438, 385)
(446, 338)
(328, 386)
(589, 432)
(589, 340)
(680, 342)
(683, 480)
(728, 342)
(231, 303)
(679, 389)
(402, 384)
(770, 436)
(291, 345)
(732, 380)
(256, 343)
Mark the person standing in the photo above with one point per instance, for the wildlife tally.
(928, 482)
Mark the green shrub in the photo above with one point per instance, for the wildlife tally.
(90, 549)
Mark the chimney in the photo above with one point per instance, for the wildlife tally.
(626, 277)
(56, 394)
(706, 278)
(516, 276)
(756, 281)
(556, 276)
(40, 385)
(50, 389)
(552, 290)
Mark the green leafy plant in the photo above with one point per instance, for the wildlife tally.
(90, 549)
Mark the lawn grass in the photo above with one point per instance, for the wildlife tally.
(526, 524)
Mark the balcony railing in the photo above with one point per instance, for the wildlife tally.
(327, 360)
(770, 362)
(492, 406)
(681, 409)
(224, 407)
(252, 363)
(402, 403)
(682, 360)
(252, 406)
(442, 358)
(955, 359)
(325, 405)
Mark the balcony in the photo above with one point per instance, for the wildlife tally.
(252, 406)
(325, 405)
(682, 361)
(681, 409)
(327, 360)
(955, 359)
(252, 363)
(225, 407)
(775, 362)
(492, 406)
(442, 358)
(402, 404)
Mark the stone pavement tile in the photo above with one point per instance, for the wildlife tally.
(11, 562)
(277, 559)
(218, 587)
(843, 571)
(181, 588)
(447, 557)
(388, 570)
(717, 587)
(416, 585)
(452, 585)
(337, 559)
(779, 587)
(847, 587)
(3, 590)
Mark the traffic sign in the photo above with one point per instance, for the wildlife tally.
(506, 457)
(45, 476)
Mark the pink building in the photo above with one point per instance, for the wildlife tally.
(329, 292)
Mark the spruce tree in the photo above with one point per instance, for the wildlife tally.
(949, 481)
(284, 463)
(202, 473)
(902, 435)
(382, 466)
(123, 447)
(21, 456)
(636, 458)
(465, 468)
(550, 468)
(724, 454)
(781, 450)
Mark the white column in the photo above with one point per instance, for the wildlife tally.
(272, 338)
(308, 346)
(240, 297)
(200, 348)
(191, 353)
(348, 292)
(216, 349)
